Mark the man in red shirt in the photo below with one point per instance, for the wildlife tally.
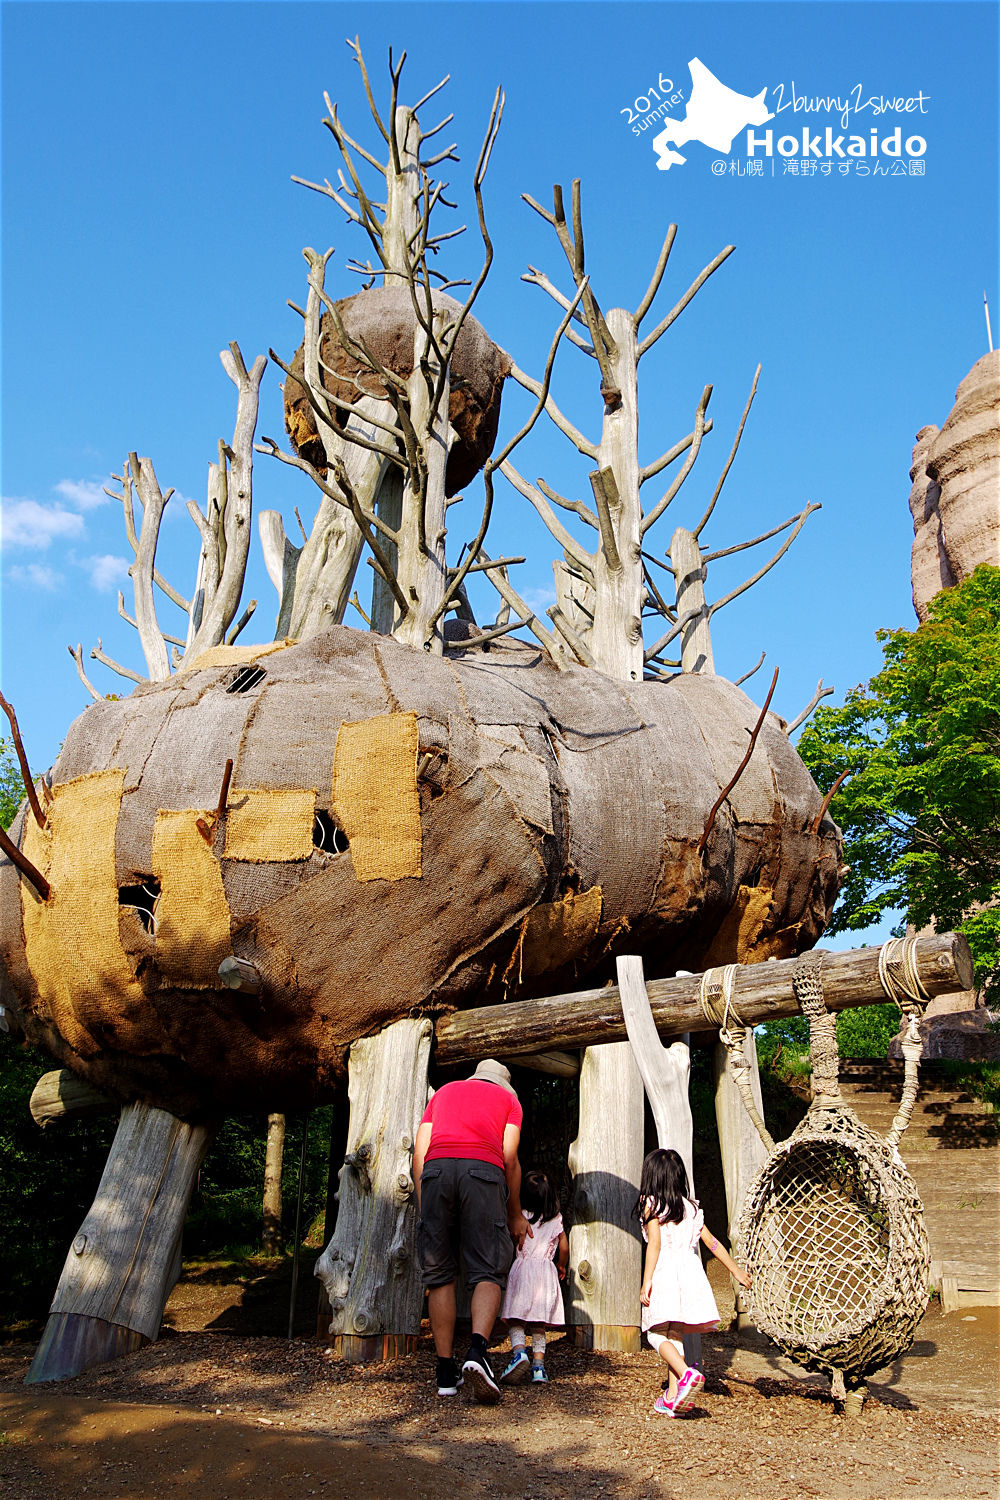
(468, 1181)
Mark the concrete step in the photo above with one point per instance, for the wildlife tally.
(925, 1106)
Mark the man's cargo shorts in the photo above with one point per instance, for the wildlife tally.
(463, 1210)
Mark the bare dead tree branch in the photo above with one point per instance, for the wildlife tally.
(657, 276)
(576, 506)
(666, 459)
(97, 653)
(818, 820)
(735, 593)
(22, 760)
(820, 693)
(25, 866)
(77, 656)
(582, 444)
(732, 454)
(742, 765)
(696, 285)
(654, 515)
(747, 675)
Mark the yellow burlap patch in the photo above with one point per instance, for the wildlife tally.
(192, 928)
(230, 656)
(375, 798)
(558, 931)
(264, 825)
(84, 978)
(738, 940)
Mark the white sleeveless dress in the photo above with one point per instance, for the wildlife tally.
(680, 1292)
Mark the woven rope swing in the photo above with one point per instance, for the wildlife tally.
(832, 1228)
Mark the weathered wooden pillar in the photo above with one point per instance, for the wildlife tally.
(743, 1151)
(126, 1258)
(605, 1252)
(369, 1268)
(273, 1237)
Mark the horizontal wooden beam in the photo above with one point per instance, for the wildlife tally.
(61, 1095)
(762, 992)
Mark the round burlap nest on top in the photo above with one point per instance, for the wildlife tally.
(384, 320)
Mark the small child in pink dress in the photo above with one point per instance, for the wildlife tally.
(676, 1297)
(534, 1297)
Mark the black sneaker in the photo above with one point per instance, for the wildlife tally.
(448, 1377)
(481, 1378)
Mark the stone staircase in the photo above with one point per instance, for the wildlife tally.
(952, 1149)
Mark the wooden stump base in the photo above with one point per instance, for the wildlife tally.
(610, 1337)
(358, 1350)
(73, 1342)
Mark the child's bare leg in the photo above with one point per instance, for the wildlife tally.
(671, 1351)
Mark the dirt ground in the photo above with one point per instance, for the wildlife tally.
(221, 1408)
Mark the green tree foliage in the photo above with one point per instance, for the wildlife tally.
(921, 810)
(11, 785)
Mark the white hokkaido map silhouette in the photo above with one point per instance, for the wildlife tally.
(714, 115)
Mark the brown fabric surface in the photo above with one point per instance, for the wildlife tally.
(738, 939)
(369, 953)
(558, 932)
(375, 796)
(266, 826)
(192, 930)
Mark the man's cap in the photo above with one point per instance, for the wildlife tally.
(491, 1071)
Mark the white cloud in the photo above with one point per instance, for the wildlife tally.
(26, 523)
(539, 600)
(85, 493)
(39, 577)
(106, 571)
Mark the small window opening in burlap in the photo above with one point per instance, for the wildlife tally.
(245, 678)
(327, 836)
(141, 899)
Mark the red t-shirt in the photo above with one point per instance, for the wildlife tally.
(468, 1119)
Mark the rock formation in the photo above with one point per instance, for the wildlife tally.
(955, 499)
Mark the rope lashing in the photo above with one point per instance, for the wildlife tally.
(715, 996)
(897, 972)
(807, 982)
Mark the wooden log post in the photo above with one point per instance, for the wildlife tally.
(369, 1269)
(689, 576)
(605, 1258)
(743, 1151)
(124, 1261)
(761, 992)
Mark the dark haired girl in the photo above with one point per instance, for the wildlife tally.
(676, 1297)
(533, 1295)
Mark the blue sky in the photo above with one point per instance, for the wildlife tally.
(149, 218)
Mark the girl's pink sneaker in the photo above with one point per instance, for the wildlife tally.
(663, 1406)
(688, 1387)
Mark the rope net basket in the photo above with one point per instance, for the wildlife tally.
(833, 1235)
(832, 1227)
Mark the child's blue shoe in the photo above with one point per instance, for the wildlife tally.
(518, 1370)
(539, 1375)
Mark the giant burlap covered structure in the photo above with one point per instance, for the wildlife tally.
(488, 856)
(277, 864)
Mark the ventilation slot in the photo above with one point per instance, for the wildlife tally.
(327, 836)
(142, 900)
(245, 678)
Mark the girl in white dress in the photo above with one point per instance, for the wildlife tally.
(676, 1297)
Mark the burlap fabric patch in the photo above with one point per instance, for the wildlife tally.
(192, 931)
(86, 984)
(265, 826)
(375, 796)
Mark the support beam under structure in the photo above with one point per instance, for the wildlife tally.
(369, 1268)
(127, 1256)
(743, 1151)
(761, 992)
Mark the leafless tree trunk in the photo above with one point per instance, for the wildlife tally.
(273, 1238)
